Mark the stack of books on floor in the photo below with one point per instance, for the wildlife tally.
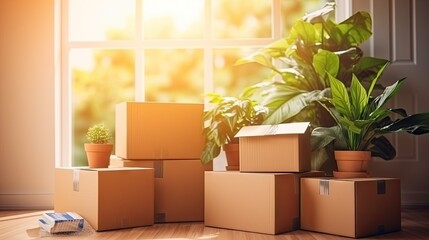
(61, 222)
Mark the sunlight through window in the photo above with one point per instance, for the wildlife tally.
(97, 20)
(161, 51)
(172, 19)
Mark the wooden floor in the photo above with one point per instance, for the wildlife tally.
(23, 225)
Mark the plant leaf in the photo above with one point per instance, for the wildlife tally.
(375, 79)
(367, 67)
(302, 31)
(358, 98)
(381, 147)
(388, 93)
(340, 97)
(259, 58)
(316, 15)
(294, 105)
(326, 62)
(357, 28)
(210, 151)
(416, 124)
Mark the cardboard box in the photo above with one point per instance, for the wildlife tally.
(351, 207)
(256, 202)
(179, 188)
(159, 130)
(106, 198)
(275, 148)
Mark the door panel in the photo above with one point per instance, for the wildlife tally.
(401, 34)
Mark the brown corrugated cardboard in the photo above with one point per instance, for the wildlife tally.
(158, 130)
(256, 202)
(275, 148)
(179, 188)
(106, 198)
(351, 207)
(298, 177)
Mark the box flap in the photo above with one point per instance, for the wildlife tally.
(112, 169)
(277, 129)
(369, 179)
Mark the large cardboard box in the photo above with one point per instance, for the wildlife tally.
(351, 207)
(106, 198)
(256, 202)
(179, 188)
(275, 148)
(158, 130)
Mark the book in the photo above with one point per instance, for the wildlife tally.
(61, 222)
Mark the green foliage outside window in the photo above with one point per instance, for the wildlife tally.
(108, 75)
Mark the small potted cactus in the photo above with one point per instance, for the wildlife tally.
(99, 148)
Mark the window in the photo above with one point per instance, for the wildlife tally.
(159, 50)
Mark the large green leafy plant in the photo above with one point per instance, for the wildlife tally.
(301, 61)
(363, 120)
(224, 119)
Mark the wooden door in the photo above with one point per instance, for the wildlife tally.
(401, 34)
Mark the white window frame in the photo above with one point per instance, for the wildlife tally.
(63, 106)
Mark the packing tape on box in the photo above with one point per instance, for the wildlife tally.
(273, 129)
(159, 168)
(76, 180)
(297, 185)
(324, 187)
(160, 217)
(296, 223)
(381, 187)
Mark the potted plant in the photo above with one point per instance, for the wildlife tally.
(222, 121)
(99, 148)
(361, 123)
(315, 46)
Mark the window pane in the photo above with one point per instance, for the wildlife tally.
(100, 79)
(242, 19)
(166, 19)
(296, 9)
(174, 75)
(97, 20)
(231, 80)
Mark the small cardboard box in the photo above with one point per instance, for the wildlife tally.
(256, 202)
(158, 130)
(179, 188)
(275, 148)
(106, 198)
(351, 207)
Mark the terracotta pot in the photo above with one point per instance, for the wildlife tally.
(98, 154)
(352, 161)
(232, 156)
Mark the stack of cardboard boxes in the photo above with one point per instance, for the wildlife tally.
(263, 196)
(168, 138)
(158, 177)
(274, 191)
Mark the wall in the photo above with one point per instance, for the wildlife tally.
(26, 104)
